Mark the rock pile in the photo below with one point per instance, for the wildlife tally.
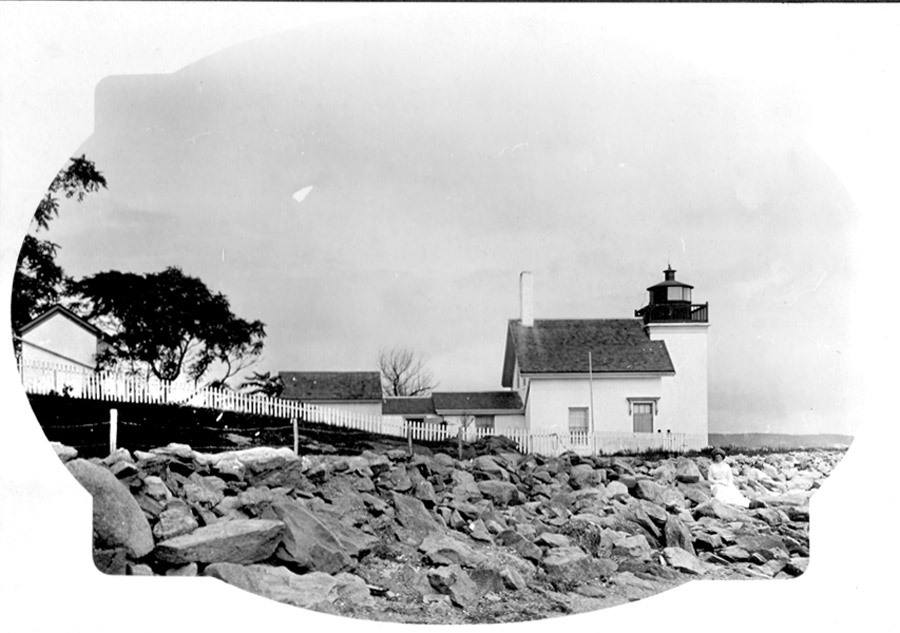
(428, 538)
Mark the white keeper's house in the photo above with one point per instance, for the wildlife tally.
(629, 376)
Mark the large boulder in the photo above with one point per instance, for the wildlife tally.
(237, 541)
(686, 471)
(307, 542)
(117, 517)
(416, 520)
(315, 590)
(649, 490)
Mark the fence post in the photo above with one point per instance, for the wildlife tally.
(296, 436)
(113, 429)
(409, 437)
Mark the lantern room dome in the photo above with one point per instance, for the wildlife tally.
(670, 300)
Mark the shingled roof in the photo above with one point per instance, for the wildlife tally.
(561, 346)
(331, 385)
(408, 406)
(472, 401)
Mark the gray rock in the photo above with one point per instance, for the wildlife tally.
(512, 579)
(119, 455)
(65, 453)
(687, 471)
(442, 549)
(206, 492)
(716, 509)
(414, 517)
(237, 541)
(117, 518)
(307, 541)
(635, 546)
(175, 520)
(138, 569)
(487, 580)
(768, 546)
(424, 492)
(673, 500)
(551, 539)
(678, 535)
(315, 590)
(153, 496)
(649, 490)
(683, 560)
(479, 531)
(566, 565)
(188, 570)
(453, 581)
(110, 561)
(501, 493)
(616, 489)
(488, 464)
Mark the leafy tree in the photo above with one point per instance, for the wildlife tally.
(264, 383)
(40, 282)
(403, 373)
(170, 323)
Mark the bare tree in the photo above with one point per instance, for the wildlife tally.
(403, 373)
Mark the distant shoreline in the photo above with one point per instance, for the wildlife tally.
(774, 440)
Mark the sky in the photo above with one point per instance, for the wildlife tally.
(439, 154)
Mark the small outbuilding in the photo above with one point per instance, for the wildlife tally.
(355, 391)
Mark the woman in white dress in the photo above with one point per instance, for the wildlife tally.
(721, 481)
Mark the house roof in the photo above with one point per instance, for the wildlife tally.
(65, 312)
(408, 406)
(560, 346)
(331, 385)
(473, 401)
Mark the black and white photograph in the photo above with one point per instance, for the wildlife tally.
(327, 314)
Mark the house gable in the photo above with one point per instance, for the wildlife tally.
(60, 311)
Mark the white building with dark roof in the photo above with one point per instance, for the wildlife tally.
(354, 391)
(620, 376)
(60, 337)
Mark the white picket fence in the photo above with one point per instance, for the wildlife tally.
(68, 380)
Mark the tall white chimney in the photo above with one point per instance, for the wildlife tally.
(526, 298)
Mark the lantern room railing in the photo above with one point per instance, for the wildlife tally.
(674, 313)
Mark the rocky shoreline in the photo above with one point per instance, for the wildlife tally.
(427, 538)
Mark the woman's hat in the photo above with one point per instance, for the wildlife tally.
(718, 451)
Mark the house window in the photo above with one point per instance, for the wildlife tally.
(484, 423)
(578, 424)
(642, 414)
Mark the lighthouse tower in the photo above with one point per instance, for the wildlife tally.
(671, 316)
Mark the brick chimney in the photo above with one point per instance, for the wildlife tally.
(526, 298)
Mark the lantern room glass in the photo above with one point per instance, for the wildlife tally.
(678, 293)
